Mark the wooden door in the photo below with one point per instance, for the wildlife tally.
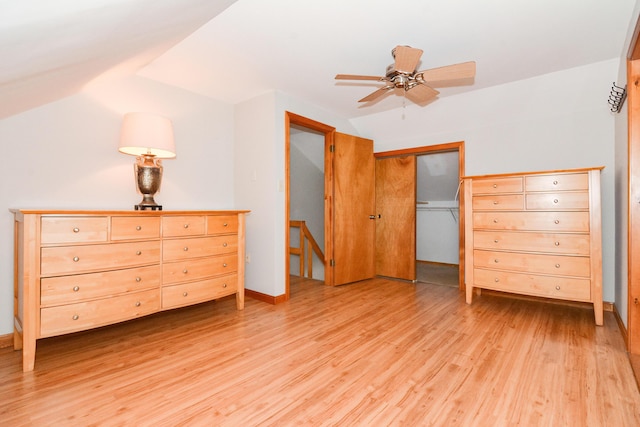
(353, 205)
(396, 221)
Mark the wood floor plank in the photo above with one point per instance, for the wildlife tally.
(376, 352)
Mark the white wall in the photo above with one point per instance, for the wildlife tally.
(556, 121)
(64, 155)
(259, 136)
(438, 233)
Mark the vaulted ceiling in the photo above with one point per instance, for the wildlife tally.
(233, 50)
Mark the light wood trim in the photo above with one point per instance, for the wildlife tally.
(328, 131)
(6, 340)
(633, 226)
(270, 299)
(426, 149)
(515, 174)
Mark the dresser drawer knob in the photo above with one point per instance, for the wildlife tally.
(224, 245)
(186, 226)
(555, 200)
(496, 260)
(224, 285)
(495, 185)
(557, 221)
(496, 280)
(555, 182)
(184, 294)
(557, 287)
(495, 221)
(495, 202)
(138, 279)
(557, 265)
(75, 317)
(138, 253)
(186, 248)
(138, 304)
(224, 264)
(185, 271)
(76, 288)
(224, 225)
(76, 230)
(495, 241)
(557, 243)
(138, 227)
(76, 259)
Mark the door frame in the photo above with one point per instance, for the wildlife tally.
(433, 149)
(328, 131)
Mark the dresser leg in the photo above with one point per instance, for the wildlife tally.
(469, 293)
(240, 300)
(28, 355)
(598, 311)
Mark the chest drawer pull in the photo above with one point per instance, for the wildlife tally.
(557, 221)
(495, 202)
(138, 304)
(555, 200)
(138, 227)
(557, 243)
(76, 259)
(496, 280)
(224, 245)
(184, 294)
(186, 226)
(495, 185)
(185, 271)
(495, 241)
(557, 265)
(75, 317)
(224, 285)
(496, 260)
(495, 221)
(224, 264)
(138, 252)
(138, 279)
(76, 230)
(76, 288)
(557, 287)
(225, 224)
(186, 248)
(555, 182)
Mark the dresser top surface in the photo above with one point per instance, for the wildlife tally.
(548, 172)
(124, 212)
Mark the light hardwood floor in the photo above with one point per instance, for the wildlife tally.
(373, 353)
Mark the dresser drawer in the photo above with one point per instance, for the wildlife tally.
(558, 201)
(222, 224)
(560, 243)
(134, 227)
(198, 268)
(532, 221)
(79, 287)
(557, 182)
(178, 249)
(561, 265)
(178, 226)
(73, 229)
(90, 314)
(497, 185)
(200, 291)
(543, 286)
(499, 202)
(79, 259)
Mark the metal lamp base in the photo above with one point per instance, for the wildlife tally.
(148, 174)
(147, 208)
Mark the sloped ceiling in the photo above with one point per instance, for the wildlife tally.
(234, 50)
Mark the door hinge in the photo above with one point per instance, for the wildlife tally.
(332, 148)
(332, 263)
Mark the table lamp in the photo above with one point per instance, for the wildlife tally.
(149, 137)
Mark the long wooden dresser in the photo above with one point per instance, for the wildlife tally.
(536, 234)
(77, 270)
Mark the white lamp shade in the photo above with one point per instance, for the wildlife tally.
(145, 133)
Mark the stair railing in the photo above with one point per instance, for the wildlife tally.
(306, 241)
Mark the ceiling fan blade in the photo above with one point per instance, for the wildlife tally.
(355, 77)
(407, 58)
(465, 70)
(375, 95)
(421, 93)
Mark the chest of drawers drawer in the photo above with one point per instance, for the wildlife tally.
(183, 225)
(498, 185)
(499, 202)
(84, 258)
(79, 287)
(560, 243)
(557, 182)
(74, 229)
(177, 249)
(89, 314)
(203, 290)
(558, 201)
(561, 265)
(569, 288)
(532, 221)
(132, 227)
(222, 224)
(198, 268)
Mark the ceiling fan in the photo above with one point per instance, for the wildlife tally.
(417, 85)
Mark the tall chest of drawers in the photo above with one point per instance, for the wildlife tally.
(536, 234)
(77, 270)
